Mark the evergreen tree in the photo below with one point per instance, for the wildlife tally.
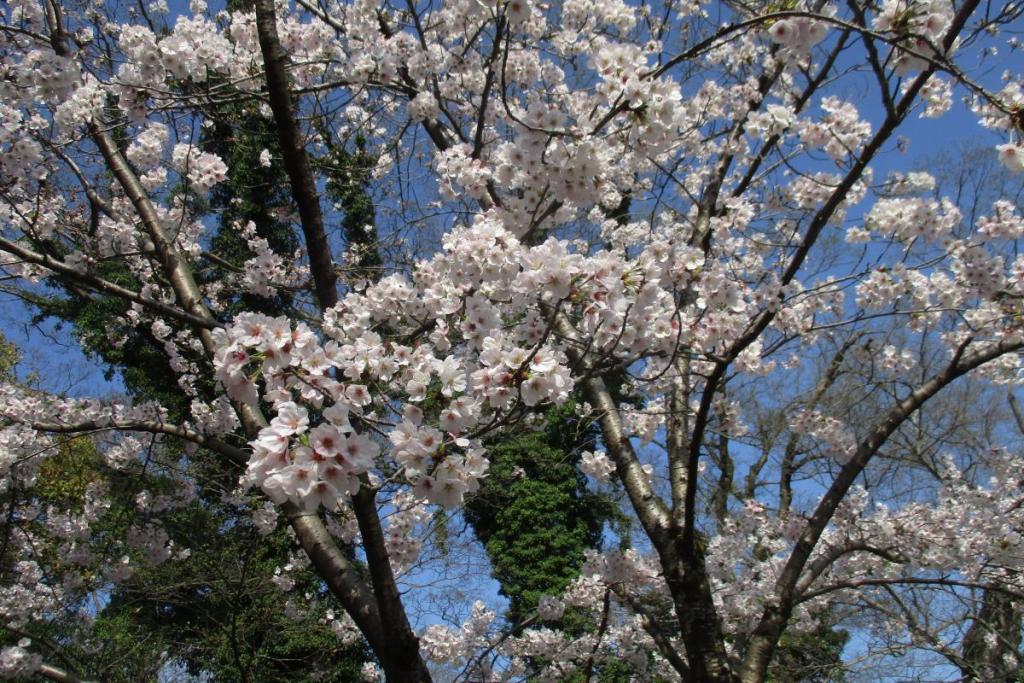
(533, 512)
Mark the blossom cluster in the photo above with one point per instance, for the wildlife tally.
(203, 169)
(17, 662)
(919, 26)
(799, 34)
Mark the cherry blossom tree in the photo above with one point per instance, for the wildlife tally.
(703, 199)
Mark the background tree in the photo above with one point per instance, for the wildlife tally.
(534, 513)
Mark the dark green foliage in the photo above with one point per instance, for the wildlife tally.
(8, 359)
(101, 325)
(348, 177)
(215, 614)
(814, 657)
(992, 643)
(218, 614)
(251, 193)
(533, 512)
(606, 671)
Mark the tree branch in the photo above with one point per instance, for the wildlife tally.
(398, 648)
(98, 284)
(296, 161)
(776, 615)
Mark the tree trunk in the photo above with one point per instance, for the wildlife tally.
(991, 644)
